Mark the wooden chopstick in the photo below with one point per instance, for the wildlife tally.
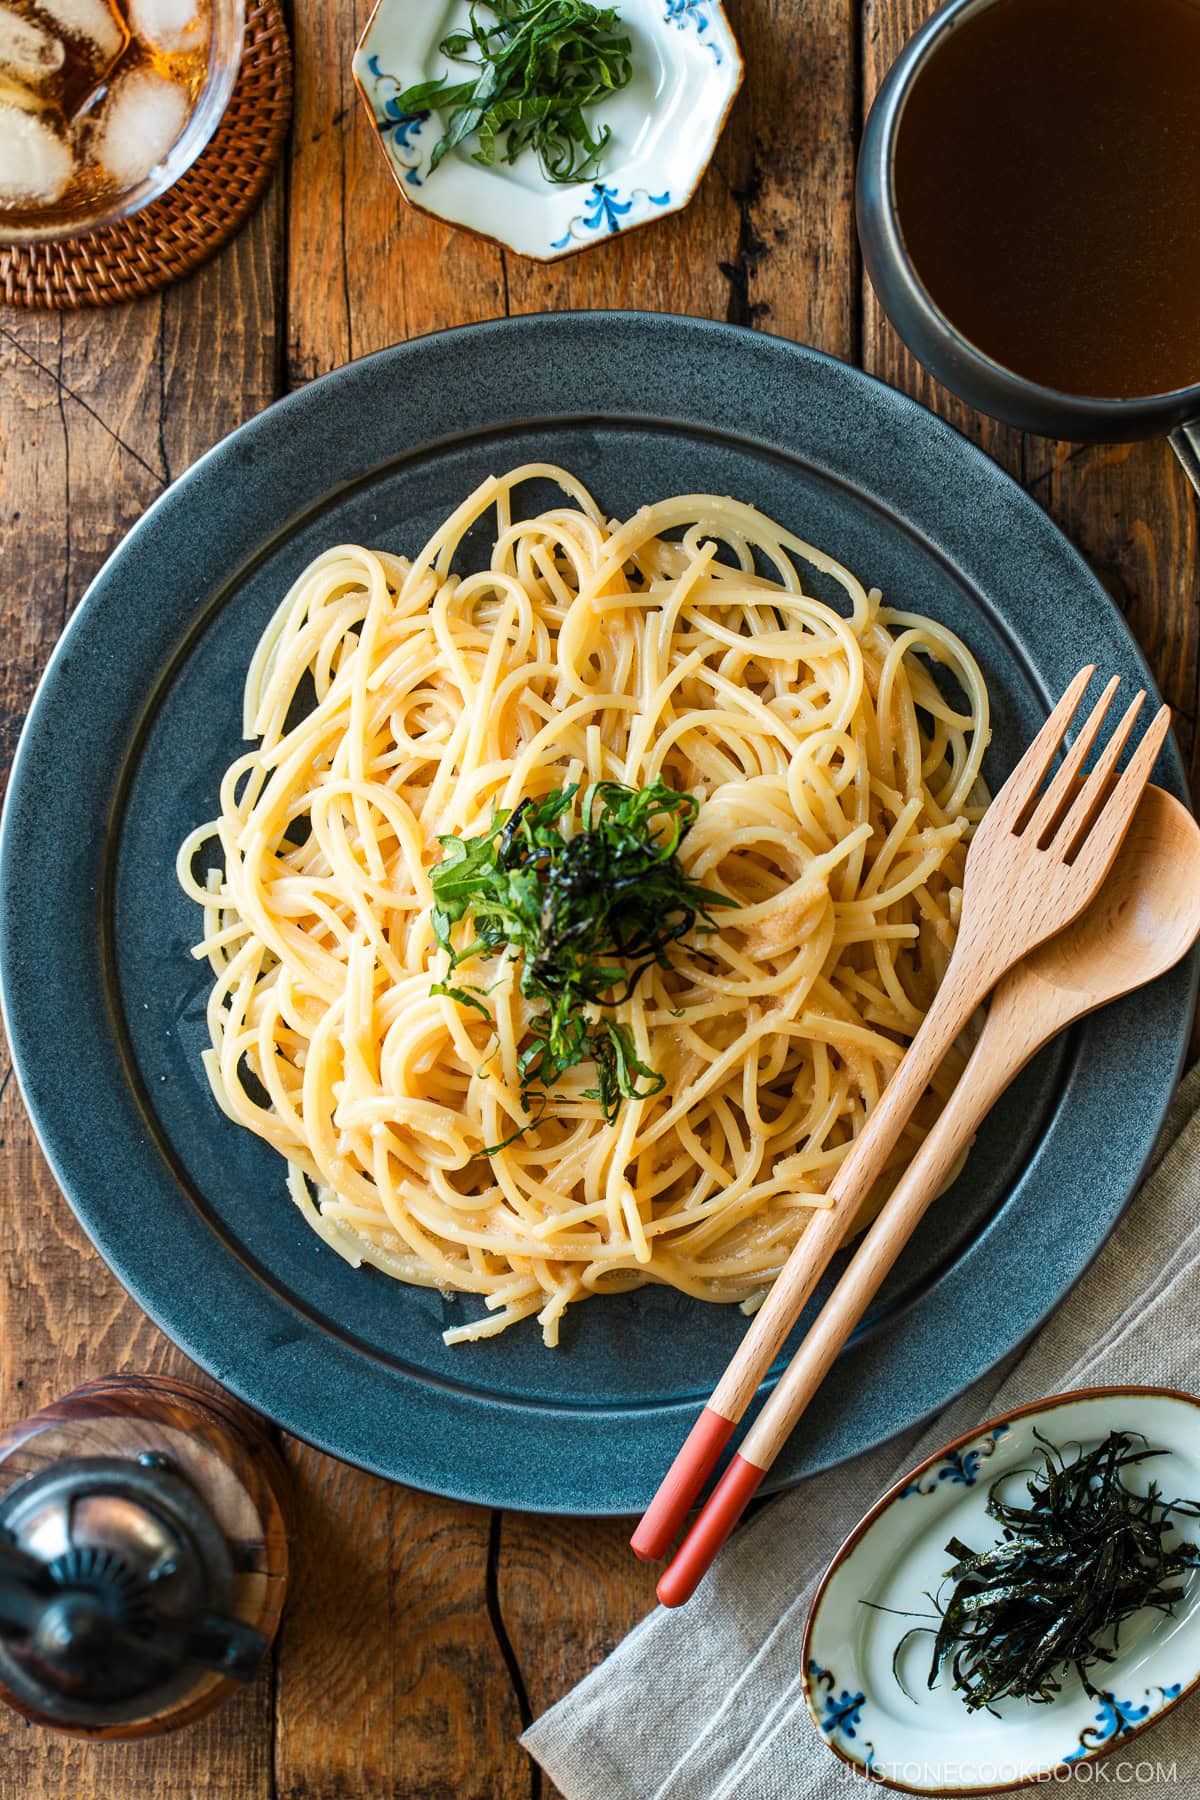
(984, 1079)
(953, 1005)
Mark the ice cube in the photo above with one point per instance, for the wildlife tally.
(35, 163)
(96, 36)
(92, 20)
(17, 93)
(143, 116)
(26, 51)
(170, 25)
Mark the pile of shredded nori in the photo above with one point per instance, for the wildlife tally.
(1071, 1567)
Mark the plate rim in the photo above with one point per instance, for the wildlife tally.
(279, 1402)
(1027, 1409)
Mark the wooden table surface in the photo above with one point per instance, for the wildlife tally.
(421, 1633)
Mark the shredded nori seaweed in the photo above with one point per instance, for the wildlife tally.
(1070, 1568)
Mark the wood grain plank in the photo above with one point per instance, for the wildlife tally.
(1131, 511)
(364, 268)
(568, 1592)
(391, 1679)
(98, 409)
(796, 135)
(393, 1665)
(220, 340)
(764, 242)
(34, 484)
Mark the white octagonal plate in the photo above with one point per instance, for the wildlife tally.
(686, 71)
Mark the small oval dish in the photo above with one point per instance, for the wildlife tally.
(925, 1741)
(687, 68)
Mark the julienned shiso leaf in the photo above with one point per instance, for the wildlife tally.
(588, 902)
(1070, 1568)
(536, 70)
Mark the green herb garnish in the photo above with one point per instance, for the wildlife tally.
(1070, 1568)
(537, 70)
(588, 910)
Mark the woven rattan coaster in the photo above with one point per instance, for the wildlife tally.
(175, 233)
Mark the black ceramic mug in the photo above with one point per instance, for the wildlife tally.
(932, 337)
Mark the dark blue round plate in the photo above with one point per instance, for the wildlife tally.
(139, 713)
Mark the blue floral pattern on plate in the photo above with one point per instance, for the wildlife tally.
(400, 126)
(693, 12)
(1118, 1719)
(839, 1712)
(961, 1466)
(604, 210)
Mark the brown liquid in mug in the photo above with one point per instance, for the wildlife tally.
(1047, 179)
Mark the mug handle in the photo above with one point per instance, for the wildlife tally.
(1185, 442)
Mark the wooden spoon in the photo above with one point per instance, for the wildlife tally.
(1145, 917)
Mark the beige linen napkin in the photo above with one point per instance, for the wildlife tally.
(705, 1703)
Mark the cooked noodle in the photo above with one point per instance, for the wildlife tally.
(394, 702)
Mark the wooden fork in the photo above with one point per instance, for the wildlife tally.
(1035, 862)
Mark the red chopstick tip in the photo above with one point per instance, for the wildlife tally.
(674, 1593)
(717, 1518)
(681, 1485)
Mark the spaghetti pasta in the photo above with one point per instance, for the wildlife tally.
(393, 703)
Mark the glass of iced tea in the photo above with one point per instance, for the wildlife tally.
(105, 103)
